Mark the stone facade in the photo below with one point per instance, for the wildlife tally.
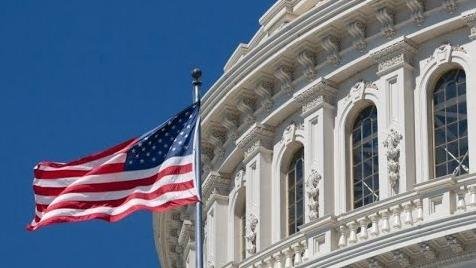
(299, 83)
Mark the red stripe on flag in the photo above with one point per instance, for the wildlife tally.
(115, 203)
(114, 218)
(112, 186)
(93, 157)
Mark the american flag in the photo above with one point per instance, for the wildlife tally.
(155, 171)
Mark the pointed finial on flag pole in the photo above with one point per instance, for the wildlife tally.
(196, 75)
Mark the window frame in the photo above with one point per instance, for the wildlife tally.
(297, 156)
(431, 115)
(350, 153)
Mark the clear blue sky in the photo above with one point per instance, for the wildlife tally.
(79, 76)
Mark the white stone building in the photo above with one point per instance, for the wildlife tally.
(342, 134)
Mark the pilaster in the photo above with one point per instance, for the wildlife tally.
(256, 144)
(395, 69)
(215, 197)
(318, 112)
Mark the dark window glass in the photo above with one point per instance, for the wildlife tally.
(295, 185)
(450, 126)
(365, 158)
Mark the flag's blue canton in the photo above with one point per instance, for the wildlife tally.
(172, 138)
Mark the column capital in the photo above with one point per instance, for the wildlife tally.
(256, 138)
(394, 55)
(316, 95)
(215, 183)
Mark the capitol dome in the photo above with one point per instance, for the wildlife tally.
(342, 135)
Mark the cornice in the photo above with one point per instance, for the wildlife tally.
(315, 95)
(394, 55)
(269, 47)
(255, 138)
(215, 183)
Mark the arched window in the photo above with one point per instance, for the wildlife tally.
(295, 192)
(450, 125)
(365, 181)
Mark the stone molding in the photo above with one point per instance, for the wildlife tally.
(469, 18)
(215, 184)
(395, 55)
(357, 92)
(315, 96)
(443, 54)
(258, 136)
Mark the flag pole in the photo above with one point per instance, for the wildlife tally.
(196, 75)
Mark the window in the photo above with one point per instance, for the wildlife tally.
(365, 158)
(450, 135)
(295, 189)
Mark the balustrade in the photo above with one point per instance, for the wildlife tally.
(395, 214)
(286, 254)
(401, 212)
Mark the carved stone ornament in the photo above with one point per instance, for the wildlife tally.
(357, 92)
(356, 29)
(264, 89)
(214, 183)
(207, 156)
(251, 225)
(450, 6)
(444, 53)
(307, 59)
(315, 96)
(397, 54)
(469, 18)
(312, 190)
(253, 139)
(401, 258)
(385, 16)
(392, 143)
(246, 105)
(331, 45)
(285, 74)
(417, 8)
(289, 134)
(230, 121)
(240, 179)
